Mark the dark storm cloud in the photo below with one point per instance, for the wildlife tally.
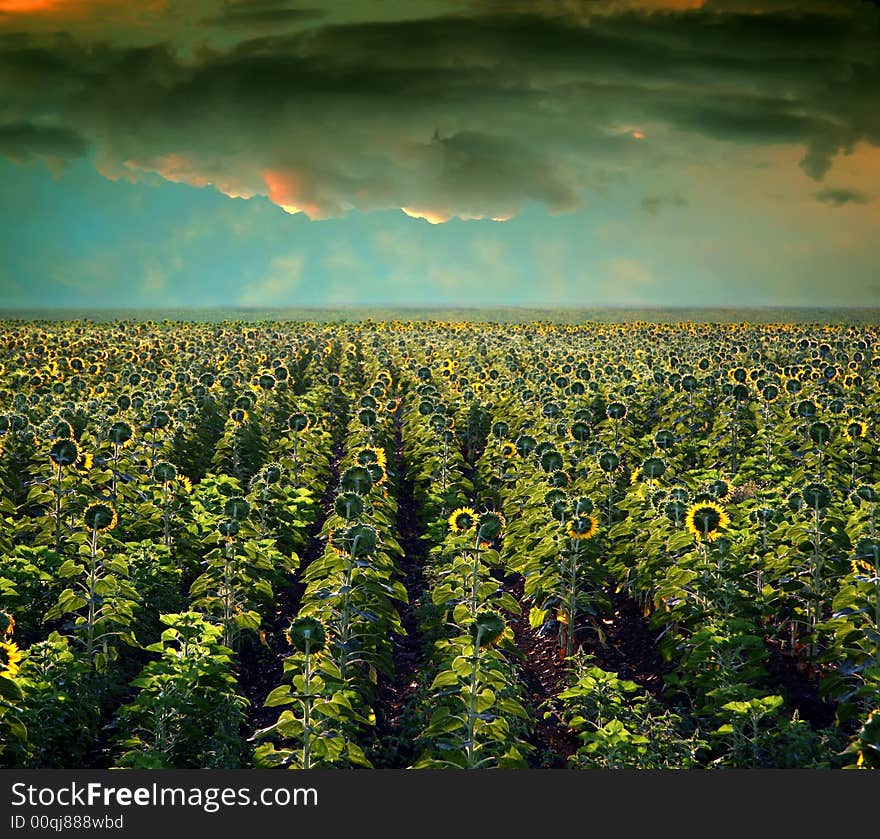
(25, 141)
(476, 113)
(840, 197)
(250, 13)
(653, 204)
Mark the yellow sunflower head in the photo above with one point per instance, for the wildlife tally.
(462, 519)
(855, 430)
(508, 449)
(583, 527)
(10, 658)
(705, 520)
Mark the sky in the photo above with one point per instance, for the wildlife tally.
(262, 153)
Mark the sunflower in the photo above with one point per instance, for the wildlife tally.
(507, 449)
(855, 430)
(100, 517)
(164, 472)
(705, 520)
(306, 635)
(10, 624)
(722, 490)
(490, 526)
(64, 452)
(357, 479)
(368, 455)
(583, 527)
(10, 657)
(487, 628)
(348, 505)
(121, 434)
(462, 519)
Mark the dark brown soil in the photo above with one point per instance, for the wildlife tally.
(630, 649)
(544, 674)
(409, 649)
(798, 686)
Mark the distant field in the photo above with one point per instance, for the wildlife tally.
(478, 315)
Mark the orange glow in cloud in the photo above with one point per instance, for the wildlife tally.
(439, 217)
(31, 7)
(79, 10)
(428, 215)
(285, 189)
(639, 135)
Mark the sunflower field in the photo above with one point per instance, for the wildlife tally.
(439, 545)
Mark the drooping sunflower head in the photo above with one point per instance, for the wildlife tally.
(298, 422)
(490, 526)
(583, 527)
(582, 506)
(100, 517)
(271, 473)
(462, 520)
(525, 444)
(705, 520)
(62, 429)
(358, 540)
(816, 496)
(616, 410)
(357, 479)
(608, 461)
(580, 430)
(653, 468)
(487, 628)
(551, 461)
(664, 439)
(306, 635)
(348, 505)
(721, 490)
(64, 453)
(120, 434)
(164, 472)
(367, 417)
(820, 433)
(237, 508)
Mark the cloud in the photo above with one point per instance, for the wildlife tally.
(261, 13)
(25, 141)
(653, 204)
(475, 113)
(840, 197)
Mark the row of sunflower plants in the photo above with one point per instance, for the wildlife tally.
(471, 696)
(341, 639)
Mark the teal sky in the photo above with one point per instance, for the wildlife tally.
(264, 153)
